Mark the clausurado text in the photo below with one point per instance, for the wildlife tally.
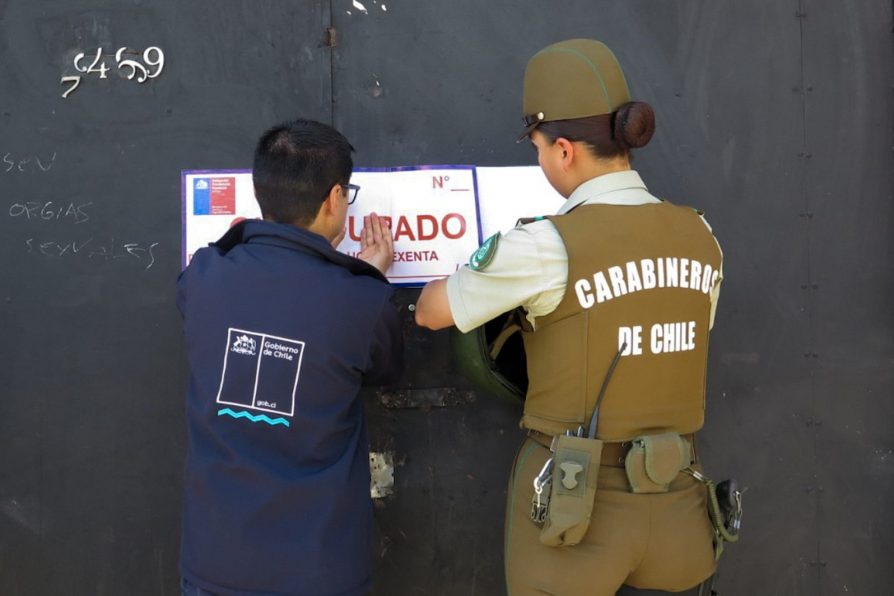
(417, 228)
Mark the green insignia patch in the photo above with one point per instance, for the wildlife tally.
(482, 257)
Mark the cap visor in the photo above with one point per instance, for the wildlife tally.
(527, 132)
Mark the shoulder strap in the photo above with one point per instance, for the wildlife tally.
(594, 419)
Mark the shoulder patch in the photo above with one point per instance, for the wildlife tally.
(482, 257)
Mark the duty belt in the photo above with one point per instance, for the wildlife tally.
(613, 454)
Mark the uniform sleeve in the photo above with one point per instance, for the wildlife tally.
(386, 349)
(528, 269)
(715, 296)
(715, 291)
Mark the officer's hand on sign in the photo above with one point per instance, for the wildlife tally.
(376, 243)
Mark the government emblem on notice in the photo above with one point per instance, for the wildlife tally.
(482, 257)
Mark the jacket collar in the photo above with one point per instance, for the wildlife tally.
(294, 238)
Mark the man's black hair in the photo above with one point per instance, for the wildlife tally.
(296, 165)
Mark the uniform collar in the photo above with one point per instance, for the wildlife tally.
(607, 190)
(299, 239)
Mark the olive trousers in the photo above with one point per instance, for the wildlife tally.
(647, 541)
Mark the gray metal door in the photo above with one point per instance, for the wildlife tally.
(773, 117)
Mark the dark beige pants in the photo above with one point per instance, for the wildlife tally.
(659, 542)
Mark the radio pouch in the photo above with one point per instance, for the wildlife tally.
(573, 492)
(655, 460)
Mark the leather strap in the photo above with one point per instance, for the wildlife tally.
(613, 454)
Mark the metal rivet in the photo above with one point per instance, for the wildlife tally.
(412, 307)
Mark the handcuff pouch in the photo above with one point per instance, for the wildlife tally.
(655, 460)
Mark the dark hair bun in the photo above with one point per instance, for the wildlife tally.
(634, 125)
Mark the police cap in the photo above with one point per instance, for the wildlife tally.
(576, 78)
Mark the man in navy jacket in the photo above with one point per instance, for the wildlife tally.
(281, 333)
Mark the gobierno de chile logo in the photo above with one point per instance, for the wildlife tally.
(245, 345)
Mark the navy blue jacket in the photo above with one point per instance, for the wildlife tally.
(281, 332)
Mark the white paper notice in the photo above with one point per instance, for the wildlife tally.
(433, 213)
(212, 201)
(507, 194)
(439, 214)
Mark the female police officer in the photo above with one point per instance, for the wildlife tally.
(616, 295)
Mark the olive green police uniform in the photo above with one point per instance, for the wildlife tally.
(648, 269)
(615, 272)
